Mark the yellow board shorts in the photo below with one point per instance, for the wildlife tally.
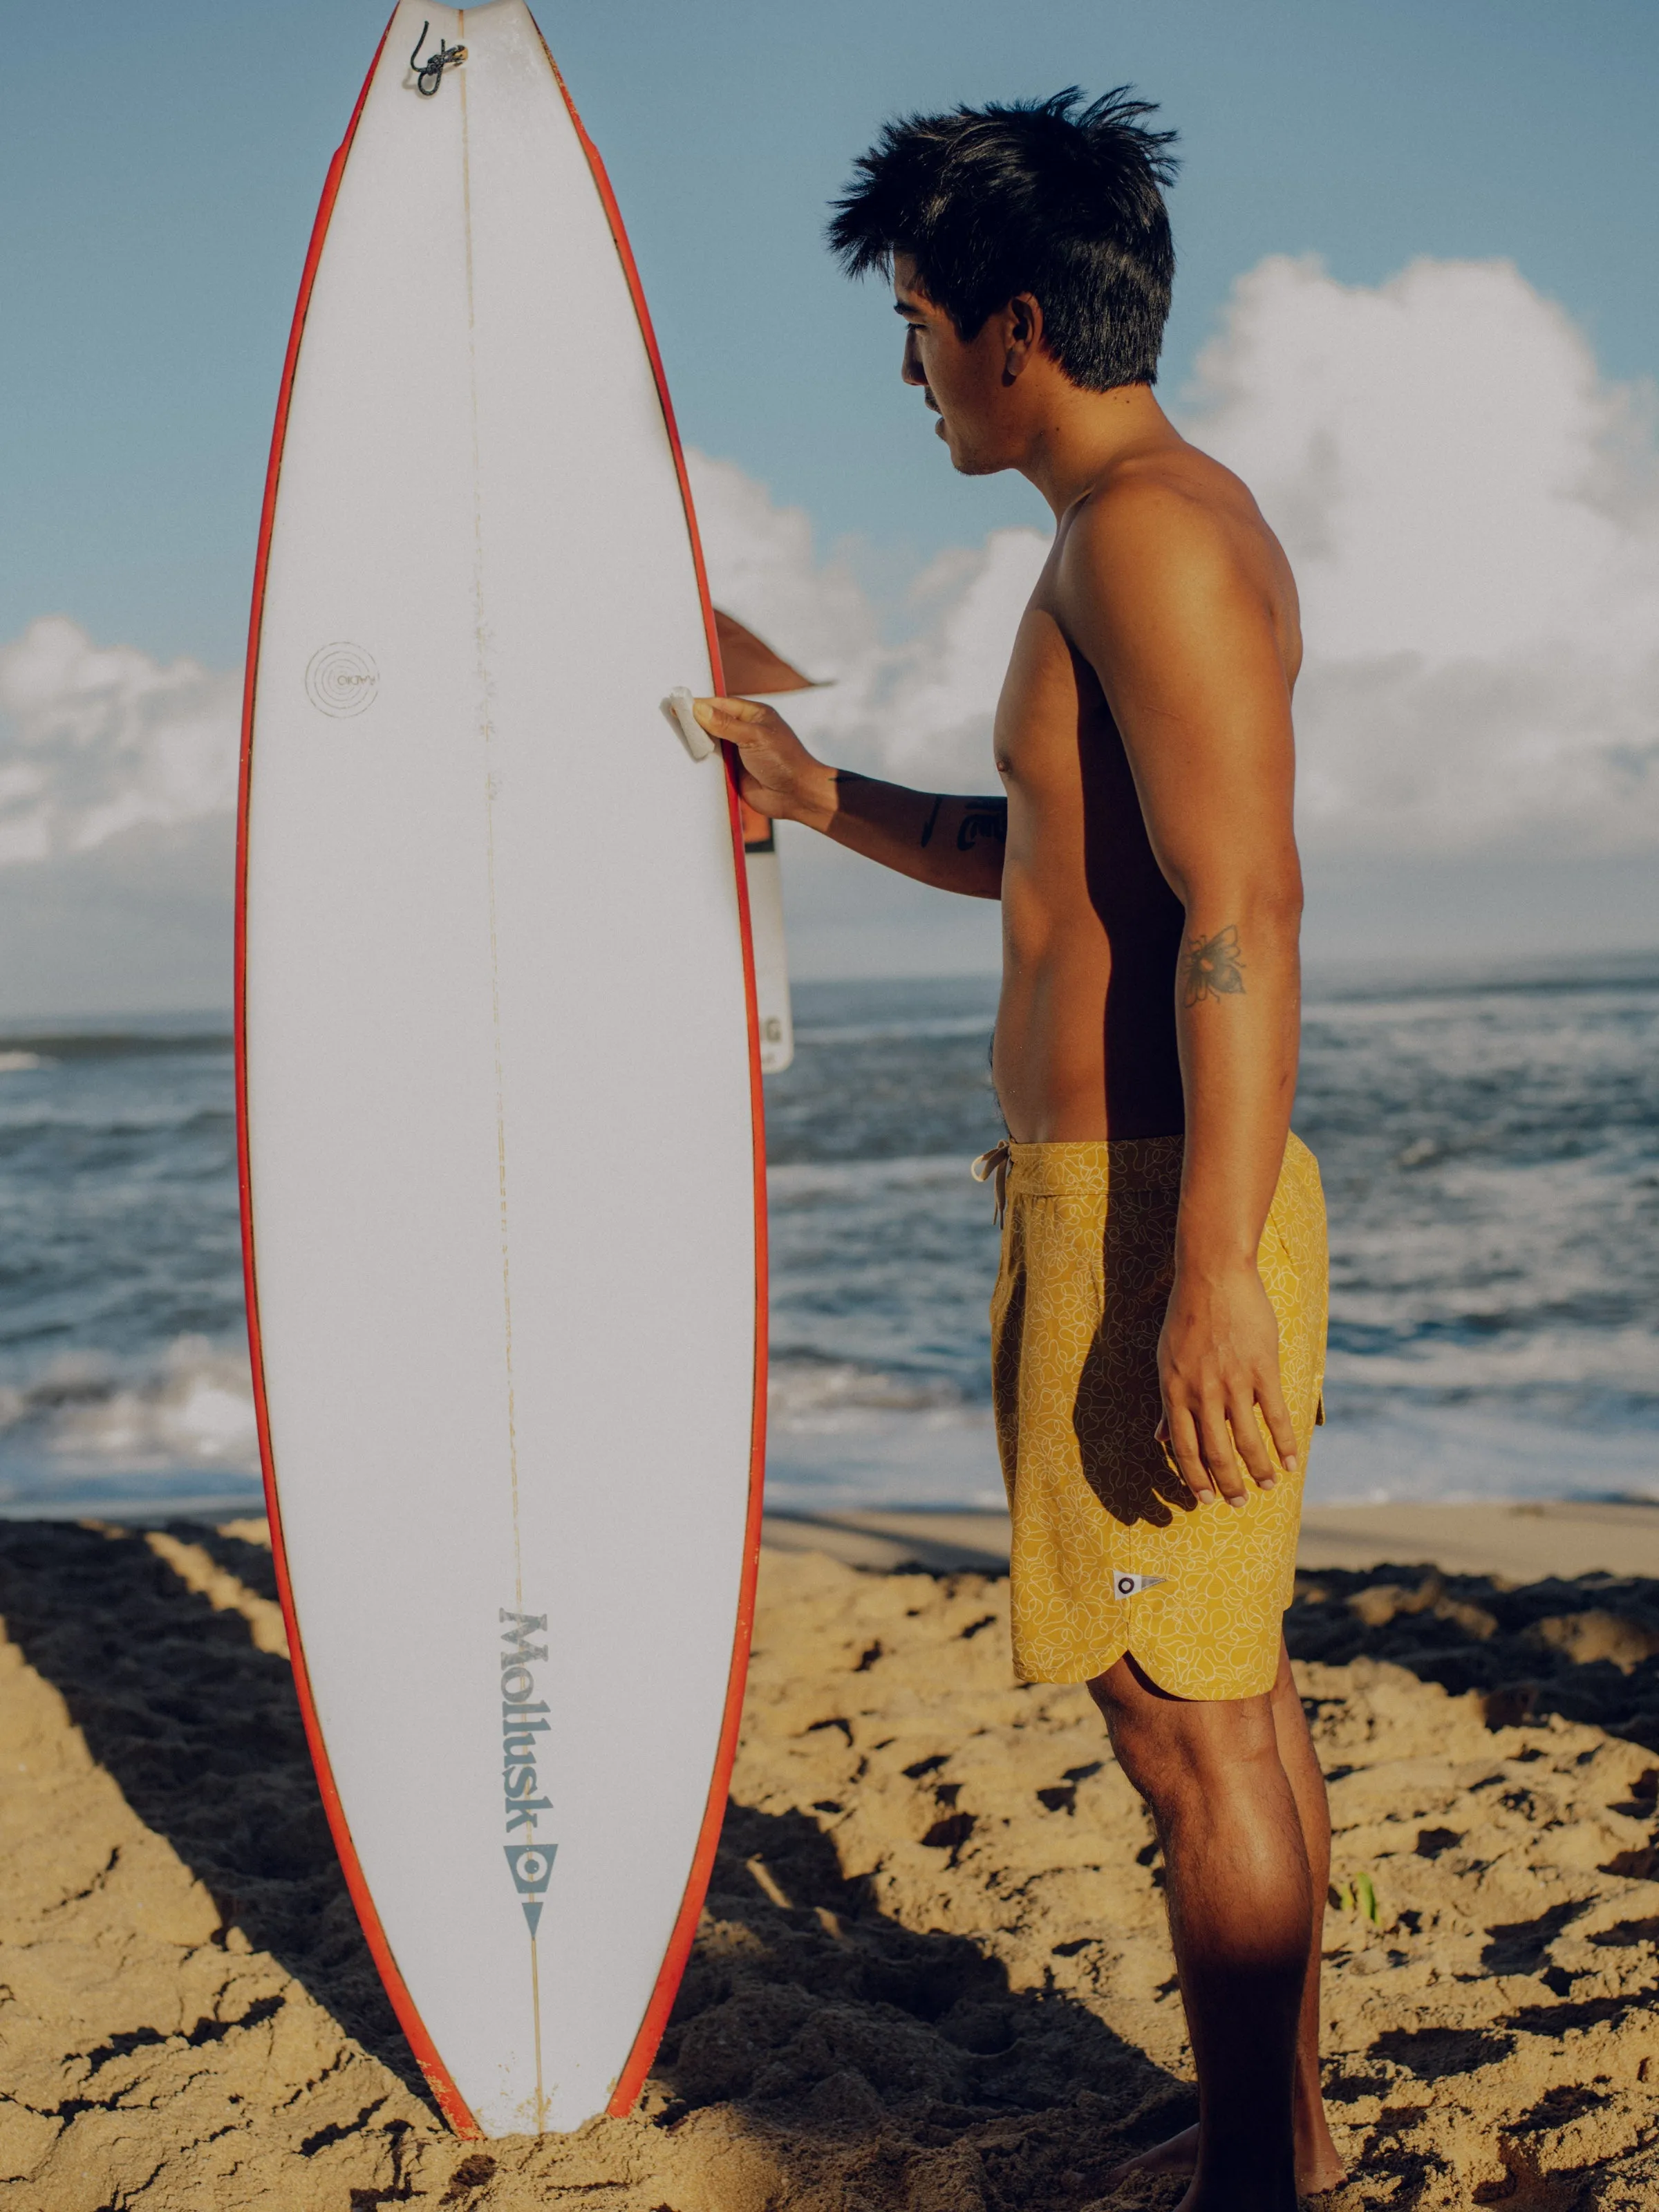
(1087, 1256)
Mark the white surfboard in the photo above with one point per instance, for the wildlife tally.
(500, 1098)
(776, 1016)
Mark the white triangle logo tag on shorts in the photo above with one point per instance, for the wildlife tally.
(1132, 1585)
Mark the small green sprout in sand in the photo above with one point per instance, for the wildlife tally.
(1359, 1895)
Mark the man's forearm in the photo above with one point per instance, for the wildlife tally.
(1237, 1015)
(956, 844)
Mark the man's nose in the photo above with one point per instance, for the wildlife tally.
(911, 369)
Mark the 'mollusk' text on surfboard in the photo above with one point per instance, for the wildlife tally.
(523, 1718)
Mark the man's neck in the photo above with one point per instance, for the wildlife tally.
(1078, 436)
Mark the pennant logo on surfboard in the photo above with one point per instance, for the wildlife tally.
(532, 1869)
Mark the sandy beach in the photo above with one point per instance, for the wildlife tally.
(933, 1975)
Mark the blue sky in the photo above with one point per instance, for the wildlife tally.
(1419, 257)
(161, 171)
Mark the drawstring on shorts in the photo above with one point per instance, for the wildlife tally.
(992, 1167)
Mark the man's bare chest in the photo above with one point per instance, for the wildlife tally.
(1053, 729)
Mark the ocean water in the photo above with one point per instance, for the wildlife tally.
(1490, 1150)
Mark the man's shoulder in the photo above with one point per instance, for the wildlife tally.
(1176, 499)
(1172, 532)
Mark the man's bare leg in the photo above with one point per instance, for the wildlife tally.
(1318, 2166)
(1240, 1910)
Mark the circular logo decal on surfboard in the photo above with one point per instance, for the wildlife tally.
(341, 679)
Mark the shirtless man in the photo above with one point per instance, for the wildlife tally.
(1158, 1326)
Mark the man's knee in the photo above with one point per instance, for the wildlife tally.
(1172, 1749)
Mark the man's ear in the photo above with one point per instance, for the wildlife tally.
(1022, 323)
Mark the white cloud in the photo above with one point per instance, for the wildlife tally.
(1472, 509)
(762, 567)
(118, 794)
(1473, 513)
(920, 710)
(97, 740)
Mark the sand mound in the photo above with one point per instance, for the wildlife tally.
(932, 1976)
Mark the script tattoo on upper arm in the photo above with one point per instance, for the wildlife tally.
(985, 818)
(1212, 967)
(933, 817)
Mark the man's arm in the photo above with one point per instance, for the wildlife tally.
(1175, 608)
(955, 844)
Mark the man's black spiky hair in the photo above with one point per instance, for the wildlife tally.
(1049, 197)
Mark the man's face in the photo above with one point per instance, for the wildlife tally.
(964, 383)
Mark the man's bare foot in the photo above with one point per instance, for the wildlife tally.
(1317, 2168)
(1179, 2155)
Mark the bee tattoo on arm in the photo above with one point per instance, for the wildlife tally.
(1212, 967)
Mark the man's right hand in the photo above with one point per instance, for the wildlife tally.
(777, 777)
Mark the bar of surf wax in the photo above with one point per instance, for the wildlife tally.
(692, 736)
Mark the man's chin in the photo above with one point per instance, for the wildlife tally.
(963, 459)
(972, 464)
